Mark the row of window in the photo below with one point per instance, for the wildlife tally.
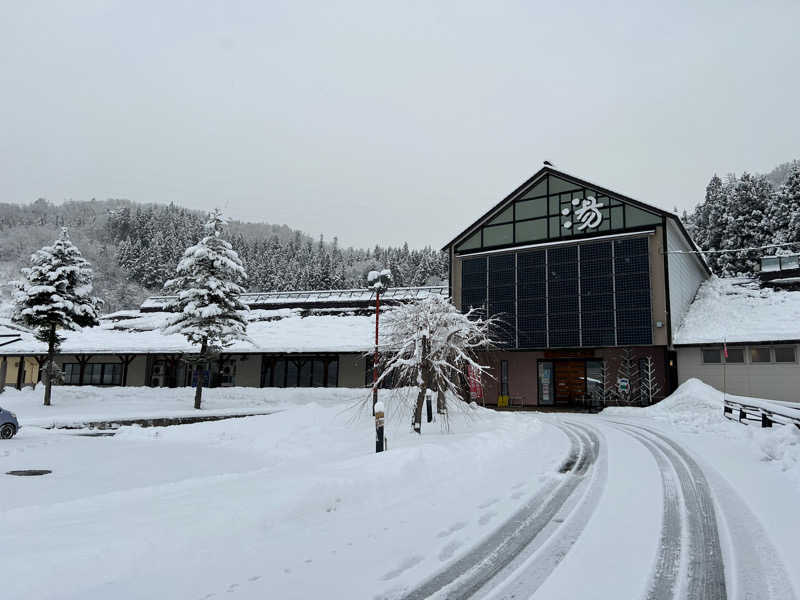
(750, 354)
(317, 371)
(93, 374)
(552, 209)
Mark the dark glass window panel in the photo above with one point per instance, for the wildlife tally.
(531, 231)
(759, 354)
(529, 209)
(617, 219)
(735, 355)
(598, 337)
(540, 189)
(501, 297)
(317, 372)
(532, 299)
(93, 373)
(304, 373)
(471, 243)
(636, 217)
(594, 379)
(72, 373)
(473, 283)
(280, 373)
(558, 185)
(784, 354)
(498, 235)
(292, 370)
(712, 356)
(506, 216)
(563, 296)
(112, 374)
(333, 373)
(266, 372)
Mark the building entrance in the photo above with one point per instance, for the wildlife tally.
(570, 381)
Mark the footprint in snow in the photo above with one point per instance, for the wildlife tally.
(488, 503)
(517, 495)
(254, 578)
(410, 562)
(232, 587)
(449, 550)
(452, 529)
(486, 517)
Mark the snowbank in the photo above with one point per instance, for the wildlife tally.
(739, 310)
(73, 405)
(696, 408)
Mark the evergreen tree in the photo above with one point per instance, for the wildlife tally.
(207, 307)
(56, 295)
(744, 223)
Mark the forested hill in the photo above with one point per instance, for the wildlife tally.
(135, 247)
(748, 211)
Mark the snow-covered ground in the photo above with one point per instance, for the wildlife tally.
(671, 501)
(291, 505)
(73, 405)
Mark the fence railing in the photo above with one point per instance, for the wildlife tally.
(764, 414)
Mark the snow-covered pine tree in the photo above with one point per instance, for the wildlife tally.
(744, 224)
(789, 196)
(650, 390)
(430, 345)
(55, 295)
(207, 307)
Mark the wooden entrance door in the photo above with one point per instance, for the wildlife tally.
(570, 376)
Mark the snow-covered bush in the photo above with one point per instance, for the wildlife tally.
(207, 307)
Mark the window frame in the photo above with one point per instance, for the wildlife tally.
(760, 362)
(793, 348)
(718, 350)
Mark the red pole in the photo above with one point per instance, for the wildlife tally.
(375, 358)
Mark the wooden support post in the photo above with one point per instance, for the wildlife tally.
(742, 415)
(20, 372)
(3, 373)
(83, 360)
(765, 420)
(125, 360)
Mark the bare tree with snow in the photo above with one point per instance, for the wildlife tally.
(430, 345)
(55, 295)
(650, 389)
(207, 307)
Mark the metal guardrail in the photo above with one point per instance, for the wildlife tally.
(767, 416)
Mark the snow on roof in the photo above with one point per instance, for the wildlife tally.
(354, 297)
(283, 330)
(739, 310)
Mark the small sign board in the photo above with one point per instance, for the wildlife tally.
(623, 385)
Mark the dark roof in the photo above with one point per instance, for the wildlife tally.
(548, 170)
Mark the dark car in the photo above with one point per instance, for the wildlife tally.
(8, 424)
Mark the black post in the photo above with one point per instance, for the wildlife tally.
(742, 415)
(379, 422)
(765, 420)
(429, 404)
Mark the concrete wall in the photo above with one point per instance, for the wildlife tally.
(773, 381)
(686, 273)
(351, 370)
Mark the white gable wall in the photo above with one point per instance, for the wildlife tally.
(686, 273)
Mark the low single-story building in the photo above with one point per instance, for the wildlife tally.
(297, 339)
(742, 338)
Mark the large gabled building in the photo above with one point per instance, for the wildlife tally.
(583, 278)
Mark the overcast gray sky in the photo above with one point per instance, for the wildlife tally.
(384, 122)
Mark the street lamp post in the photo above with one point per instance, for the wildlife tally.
(378, 281)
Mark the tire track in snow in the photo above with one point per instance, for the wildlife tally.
(755, 568)
(702, 557)
(472, 571)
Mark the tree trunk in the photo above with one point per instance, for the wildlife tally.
(417, 417)
(198, 393)
(51, 347)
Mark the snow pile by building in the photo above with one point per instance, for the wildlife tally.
(739, 310)
(696, 408)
